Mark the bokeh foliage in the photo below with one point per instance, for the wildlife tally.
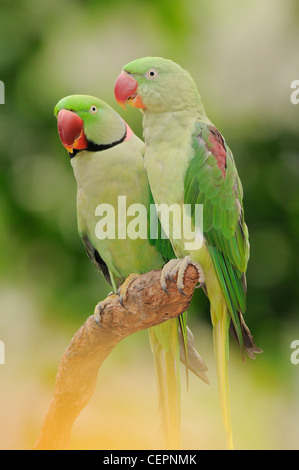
(242, 58)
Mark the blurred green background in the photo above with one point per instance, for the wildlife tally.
(243, 56)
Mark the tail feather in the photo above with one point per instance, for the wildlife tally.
(183, 343)
(194, 362)
(164, 343)
(248, 341)
(220, 336)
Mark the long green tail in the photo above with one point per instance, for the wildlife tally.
(221, 347)
(164, 343)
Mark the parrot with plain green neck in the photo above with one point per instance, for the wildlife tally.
(108, 162)
(188, 163)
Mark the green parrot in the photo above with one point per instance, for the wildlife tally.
(108, 163)
(188, 163)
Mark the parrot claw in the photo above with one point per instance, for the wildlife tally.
(122, 291)
(200, 286)
(101, 305)
(163, 285)
(163, 282)
(120, 298)
(181, 291)
(177, 267)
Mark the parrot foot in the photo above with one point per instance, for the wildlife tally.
(122, 291)
(101, 305)
(178, 267)
(121, 294)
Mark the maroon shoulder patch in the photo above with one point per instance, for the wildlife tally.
(216, 145)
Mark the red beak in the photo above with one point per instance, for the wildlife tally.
(70, 130)
(125, 91)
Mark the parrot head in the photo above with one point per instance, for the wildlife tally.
(155, 84)
(88, 123)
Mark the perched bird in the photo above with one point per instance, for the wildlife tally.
(108, 163)
(189, 163)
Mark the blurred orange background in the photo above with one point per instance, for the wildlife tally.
(243, 57)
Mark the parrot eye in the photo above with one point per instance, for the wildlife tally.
(93, 109)
(151, 74)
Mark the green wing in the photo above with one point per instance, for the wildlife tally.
(212, 180)
(95, 258)
(156, 234)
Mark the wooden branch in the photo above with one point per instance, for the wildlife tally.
(146, 305)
